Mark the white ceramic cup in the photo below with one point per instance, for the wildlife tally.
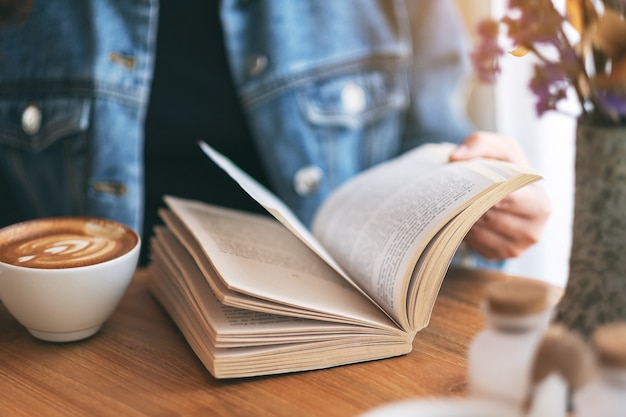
(63, 277)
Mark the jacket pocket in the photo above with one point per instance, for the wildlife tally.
(354, 100)
(34, 125)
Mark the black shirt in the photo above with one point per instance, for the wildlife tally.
(193, 98)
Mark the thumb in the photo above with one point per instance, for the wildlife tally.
(489, 145)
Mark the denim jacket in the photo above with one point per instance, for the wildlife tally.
(329, 88)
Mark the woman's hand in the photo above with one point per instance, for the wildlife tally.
(516, 222)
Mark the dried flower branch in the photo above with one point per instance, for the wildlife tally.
(582, 49)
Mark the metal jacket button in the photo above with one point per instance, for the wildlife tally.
(256, 64)
(353, 98)
(31, 119)
(307, 179)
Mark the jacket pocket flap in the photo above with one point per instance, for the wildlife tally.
(353, 100)
(35, 124)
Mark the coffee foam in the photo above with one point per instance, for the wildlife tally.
(64, 242)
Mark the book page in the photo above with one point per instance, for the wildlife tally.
(275, 206)
(233, 342)
(257, 256)
(373, 229)
(377, 224)
(176, 274)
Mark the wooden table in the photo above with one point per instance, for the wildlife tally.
(140, 365)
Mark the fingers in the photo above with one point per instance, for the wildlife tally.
(500, 235)
(512, 226)
(530, 202)
(515, 223)
(489, 145)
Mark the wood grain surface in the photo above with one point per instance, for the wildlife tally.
(140, 365)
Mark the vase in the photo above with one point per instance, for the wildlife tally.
(595, 293)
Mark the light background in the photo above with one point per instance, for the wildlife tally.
(508, 107)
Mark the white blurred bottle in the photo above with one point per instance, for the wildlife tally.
(605, 394)
(501, 356)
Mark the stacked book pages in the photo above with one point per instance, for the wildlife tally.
(257, 295)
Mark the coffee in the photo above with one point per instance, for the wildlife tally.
(64, 242)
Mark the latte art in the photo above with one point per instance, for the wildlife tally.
(69, 250)
(64, 242)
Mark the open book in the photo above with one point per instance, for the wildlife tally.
(257, 295)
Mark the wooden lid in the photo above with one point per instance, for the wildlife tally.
(517, 297)
(609, 342)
